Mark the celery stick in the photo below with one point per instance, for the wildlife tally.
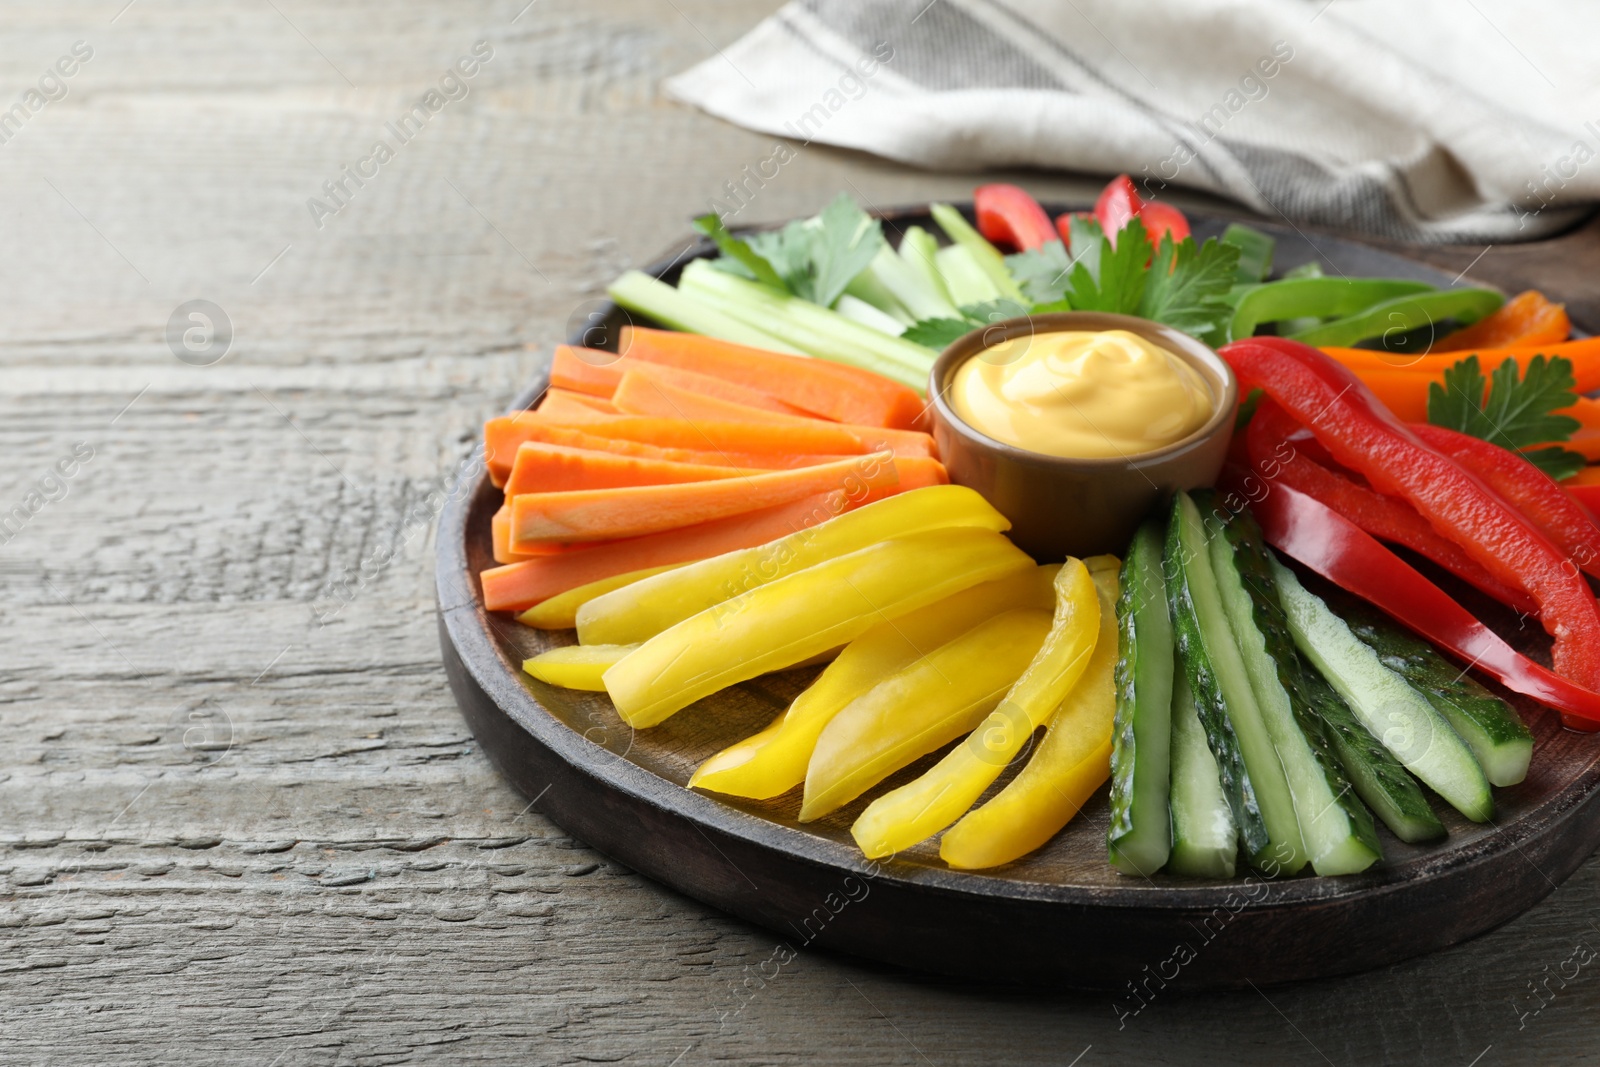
(816, 330)
(965, 280)
(918, 249)
(920, 299)
(810, 341)
(986, 255)
(857, 310)
(677, 310)
(867, 287)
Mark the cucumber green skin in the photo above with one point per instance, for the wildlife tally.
(1207, 692)
(1250, 556)
(1454, 772)
(1496, 733)
(1378, 778)
(1140, 837)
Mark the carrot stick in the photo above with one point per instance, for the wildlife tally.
(829, 390)
(572, 437)
(1404, 390)
(584, 370)
(733, 392)
(711, 435)
(1586, 439)
(736, 442)
(545, 468)
(597, 373)
(520, 586)
(603, 514)
(500, 530)
(913, 473)
(1590, 475)
(1584, 354)
(562, 403)
(1526, 319)
(643, 393)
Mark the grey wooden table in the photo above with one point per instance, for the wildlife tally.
(240, 817)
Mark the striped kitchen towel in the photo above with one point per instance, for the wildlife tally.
(1431, 120)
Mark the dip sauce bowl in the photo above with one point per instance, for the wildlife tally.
(1062, 506)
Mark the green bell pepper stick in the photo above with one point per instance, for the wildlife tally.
(1294, 298)
(1404, 313)
(1255, 252)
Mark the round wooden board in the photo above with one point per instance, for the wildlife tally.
(1061, 915)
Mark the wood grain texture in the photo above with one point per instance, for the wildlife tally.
(230, 831)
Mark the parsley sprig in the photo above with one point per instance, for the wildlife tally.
(812, 258)
(941, 333)
(1513, 409)
(1183, 284)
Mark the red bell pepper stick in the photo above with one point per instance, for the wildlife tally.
(1064, 224)
(1277, 459)
(1007, 215)
(1118, 203)
(1361, 434)
(1528, 489)
(1587, 496)
(1328, 543)
(1159, 218)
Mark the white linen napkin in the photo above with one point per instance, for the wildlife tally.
(1430, 120)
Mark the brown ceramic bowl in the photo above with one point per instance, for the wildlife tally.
(1080, 507)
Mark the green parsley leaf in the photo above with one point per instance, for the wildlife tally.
(1188, 287)
(788, 250)
(1458, 403)
(1118, 285)
(737, 250)
(845, 241)
(812, 258)
(941, 333)
(1556, 461)
(993, 311)
(1041, 272)
(938, 334)
(1511, 413)
(1085, 234)
(1512, 409)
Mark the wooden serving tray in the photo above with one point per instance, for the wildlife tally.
(1061, 915)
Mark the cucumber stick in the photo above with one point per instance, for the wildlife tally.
(1385, 703)
(1339, 835)
(1204, 837)
(1378, 778)
(1490, 727)
(1140, 835)
(1247, 763)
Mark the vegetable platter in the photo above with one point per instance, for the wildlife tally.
(1172, 907)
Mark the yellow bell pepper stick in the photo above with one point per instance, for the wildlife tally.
(576, 666)
(639, 612)
(1072, 761)
(560, 612)
(773, 761)
(922, 808)
(939, 697)
(794, 618)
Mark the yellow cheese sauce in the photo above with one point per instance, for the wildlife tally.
(1081, 395)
